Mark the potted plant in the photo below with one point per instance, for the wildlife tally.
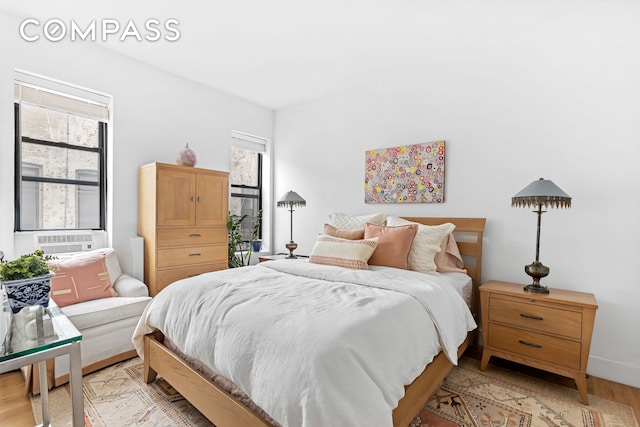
(240, 249)
(27, 280)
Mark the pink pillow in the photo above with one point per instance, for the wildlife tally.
(449, 259)
(344, 234)
(394, 244)
(81, 278)
(346, 253)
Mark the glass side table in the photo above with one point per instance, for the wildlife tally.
(29, 337)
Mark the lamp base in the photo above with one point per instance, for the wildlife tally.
(291, 246)
(537, 271)
(536, 289)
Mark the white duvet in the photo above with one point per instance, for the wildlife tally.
(313, 345)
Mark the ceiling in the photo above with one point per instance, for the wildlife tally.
(279, 53)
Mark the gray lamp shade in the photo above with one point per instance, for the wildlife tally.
(542, 192)
(291, 200)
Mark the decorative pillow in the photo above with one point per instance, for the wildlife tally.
(344, 234)
(394, 244)
(353, 222)
(113, 265)
(426, 243)
(353, 254)
(449, 259)
(80, 278)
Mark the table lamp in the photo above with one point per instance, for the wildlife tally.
(291, 200)
(542, 192)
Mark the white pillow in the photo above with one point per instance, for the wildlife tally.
(353, 254)
(354, 222)
(426, 244)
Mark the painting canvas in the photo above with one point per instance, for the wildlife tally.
(405, 174)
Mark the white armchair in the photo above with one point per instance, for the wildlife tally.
(106, 324)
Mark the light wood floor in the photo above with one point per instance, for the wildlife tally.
(15, 407)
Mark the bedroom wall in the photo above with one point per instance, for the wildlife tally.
(558, 99)
(154, 115)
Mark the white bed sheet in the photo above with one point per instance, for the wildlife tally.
(360, 336)
(461, 282)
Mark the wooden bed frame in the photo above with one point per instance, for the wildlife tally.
(225, 411)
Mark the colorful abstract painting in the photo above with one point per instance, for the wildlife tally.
(405, 174)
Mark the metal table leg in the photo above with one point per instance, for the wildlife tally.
(44, 392)
(75, 381)
(42, 368)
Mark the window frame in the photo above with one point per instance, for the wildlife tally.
(258, 187)
(101, 150)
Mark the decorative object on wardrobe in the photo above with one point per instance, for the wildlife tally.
(291, 200)
(542, 192)
(186, 157)
(405, 174)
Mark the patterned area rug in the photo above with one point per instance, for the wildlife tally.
(120, 397)
(117, 396)
(471, 398)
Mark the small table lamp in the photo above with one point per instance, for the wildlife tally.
(291, 200)
(539, 193)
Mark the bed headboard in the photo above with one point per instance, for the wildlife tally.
(468, 234)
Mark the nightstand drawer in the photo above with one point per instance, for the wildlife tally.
(536, 346)
(517, 312)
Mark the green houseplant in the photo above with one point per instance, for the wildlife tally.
(27, 280)
(240, 249)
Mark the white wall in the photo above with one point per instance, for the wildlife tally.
(559, 100)
(154, 115)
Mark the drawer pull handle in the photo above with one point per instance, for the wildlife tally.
(193, 199)
(195, 235)
(194, 254)
(531, 316)
(530, 344)
(194, 275)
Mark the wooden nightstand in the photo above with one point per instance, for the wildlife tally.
(547, 331)
(263, 258)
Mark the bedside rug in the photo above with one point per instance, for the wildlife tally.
(498, 397)
(118, 396)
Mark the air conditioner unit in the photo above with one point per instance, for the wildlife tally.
(59, 243)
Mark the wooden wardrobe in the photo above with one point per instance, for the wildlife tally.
(182, 215)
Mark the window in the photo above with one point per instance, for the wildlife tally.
(60, 165)
(88, 200)
(246, 180)
(30, 197)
